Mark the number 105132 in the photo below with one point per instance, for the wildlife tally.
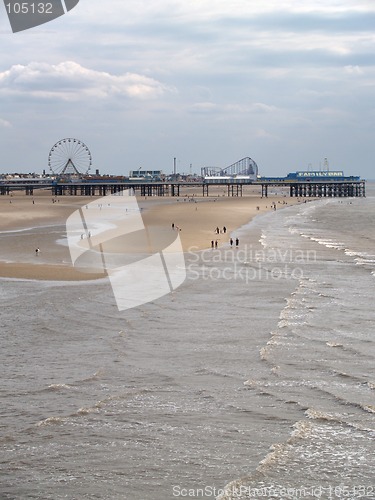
(29, 8)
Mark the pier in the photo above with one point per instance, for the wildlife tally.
(232, 187)
(323, 184)
(330, 189)
(149, 188)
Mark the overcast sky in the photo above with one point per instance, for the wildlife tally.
(285, 82)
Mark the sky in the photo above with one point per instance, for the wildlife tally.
(286, 83)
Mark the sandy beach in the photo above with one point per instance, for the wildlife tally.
(38, 221)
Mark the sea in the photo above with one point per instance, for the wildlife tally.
(253, 379)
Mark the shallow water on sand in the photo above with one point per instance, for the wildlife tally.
(259, 367)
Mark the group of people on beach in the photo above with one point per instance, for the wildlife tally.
(214, 243)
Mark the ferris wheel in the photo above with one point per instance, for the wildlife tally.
(69, 157)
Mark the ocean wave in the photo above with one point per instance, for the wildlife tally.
(328, 242)
(321, 415)
(291, 468)
(334, 344)
(369, 408)
(276, 458)
(360, 261)
(90, 378)
(262, 240)
(251, 383)
(87, 411)
(278, 450)
(264, 353)
(355, 253)
(58, 387)
(343, 419)
(212, 371)
(51, 421)
(302, 430)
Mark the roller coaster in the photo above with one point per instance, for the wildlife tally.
(242, 168)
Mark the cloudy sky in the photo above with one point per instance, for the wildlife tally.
(287, 83)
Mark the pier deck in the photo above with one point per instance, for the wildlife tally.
(233, 187)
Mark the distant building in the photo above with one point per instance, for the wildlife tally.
(149, 175)
(312, 176)
(319, 174)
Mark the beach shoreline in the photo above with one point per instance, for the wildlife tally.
(31, 222)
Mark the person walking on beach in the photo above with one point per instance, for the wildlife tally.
(37, 250)
(224, 229)
(216, 244)
(237, 242)
(212, 243)
(231, 242)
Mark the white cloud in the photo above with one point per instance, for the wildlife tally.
(70, 81)
(204, 107)
(354, 70)
(263, 134)
(211, 107)
(5, 123)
